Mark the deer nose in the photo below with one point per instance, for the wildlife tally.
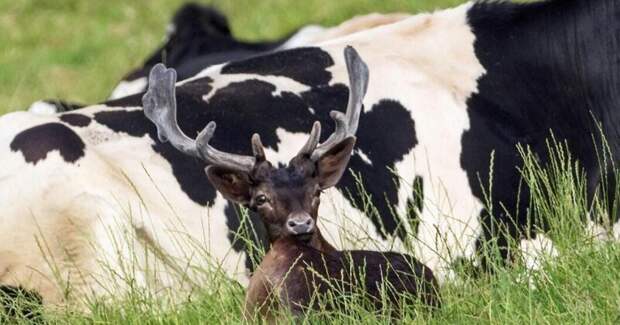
(299, 224)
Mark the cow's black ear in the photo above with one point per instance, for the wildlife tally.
(234, 185)
(333, 163)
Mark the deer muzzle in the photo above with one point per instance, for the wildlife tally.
(300, 223)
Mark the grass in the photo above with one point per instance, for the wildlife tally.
(77, 50)
(579, 286)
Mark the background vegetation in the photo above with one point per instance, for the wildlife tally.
(77, 50)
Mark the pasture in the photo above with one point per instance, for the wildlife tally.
(78, 50)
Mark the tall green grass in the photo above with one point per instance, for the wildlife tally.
(581, 285)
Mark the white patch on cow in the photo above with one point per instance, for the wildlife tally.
(349, 228)
(211, 72)
(616, 231)
(129, 87)
(534, 253)
(114, 194)
(359, 24)
(288, 146)
(200, 240)
(433, 81)
(42, 108)
(305, 36)
(363, 156)
(281, 83)
(596, 231)
(537, 250)
(404, 170)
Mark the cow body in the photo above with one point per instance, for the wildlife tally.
(436, 112)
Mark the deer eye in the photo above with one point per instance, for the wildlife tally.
(260, 200)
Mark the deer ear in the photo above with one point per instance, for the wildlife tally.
(333, 163)
(234, 185)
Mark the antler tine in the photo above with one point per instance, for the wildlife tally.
(358, 82)
(313, 140)
(257, 148)
(347, 123)
(160, 107)
(220, 158)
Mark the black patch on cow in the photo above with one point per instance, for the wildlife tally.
(36, 142)
(129, 122)
(305, 65)
(249, 107)
(550, 65)
(326, 99)
(415, 204)
(129, 101)
(246, 234)
(385, 134)
(18, 304)
(75, 119)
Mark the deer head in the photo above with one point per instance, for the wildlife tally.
(287, 198)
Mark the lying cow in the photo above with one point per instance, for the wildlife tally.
(93, 201)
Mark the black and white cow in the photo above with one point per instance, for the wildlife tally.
(84, 194)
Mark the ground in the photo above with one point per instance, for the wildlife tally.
(77, 50)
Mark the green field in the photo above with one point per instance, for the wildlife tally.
(77, 50)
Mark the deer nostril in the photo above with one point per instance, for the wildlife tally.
(309, 222)
(292, 223)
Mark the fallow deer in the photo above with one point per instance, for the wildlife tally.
(300, 264)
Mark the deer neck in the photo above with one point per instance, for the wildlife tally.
(318, 242)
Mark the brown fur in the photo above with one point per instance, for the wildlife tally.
(292, 272)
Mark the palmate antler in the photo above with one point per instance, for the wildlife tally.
(159, 104)
(346, 123)
(160, 107)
